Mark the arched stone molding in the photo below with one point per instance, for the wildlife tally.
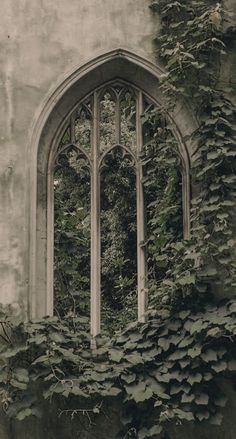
(117, 64)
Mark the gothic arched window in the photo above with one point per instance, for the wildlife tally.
(110, 144)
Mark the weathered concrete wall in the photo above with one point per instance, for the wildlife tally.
(40, 41)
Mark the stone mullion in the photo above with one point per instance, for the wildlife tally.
(95, 284)
(141, 232)
(186, 203)
(118, 121)
(72, 128)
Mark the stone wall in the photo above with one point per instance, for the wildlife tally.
(41, 43)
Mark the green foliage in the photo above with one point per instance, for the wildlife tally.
(118, 241)
(71, 236)
(118, 238)
(168, 367)
(163, 193)
(192, 45)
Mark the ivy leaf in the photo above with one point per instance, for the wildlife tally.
(149, 432)
(38, 339)
(213, 332)
(18, 384)
(57, 337)
(183, 314)
(220, 366)
(175, 388)
(184, 363)
(158, 403)
(115, 355)
(21, 375)
(68, 354)
(129, 378)
(207, 376)
(181, 414)
(216, 419)
(156, 429)
(139, 392)
(156, 387)
(164, 343)
(135, 358)
(221, 401)
(202, 414)
(150, 355)
(12, 352)
(23, 414)
(187, 280)
(194, 378)
(209, 356)
(178, 355)
(202, 399)
(195, 351)
(187, 398)
(186, 342)
(174, 325)
(229, 178)
(114, 391)
(232, 307)
(213, 155)
(75, 390)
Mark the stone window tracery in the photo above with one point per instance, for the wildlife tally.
(109, 121)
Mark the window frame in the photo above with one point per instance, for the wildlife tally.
(95, 160)
(46, 131)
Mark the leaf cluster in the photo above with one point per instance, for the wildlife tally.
(167, 368)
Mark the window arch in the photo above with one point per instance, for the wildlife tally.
(117, 66)
(109, 118)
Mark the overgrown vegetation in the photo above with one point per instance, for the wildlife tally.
(164, 214)
(163, 370)
(168, 368)
(72, 204)
(72, 235)
(118, 242)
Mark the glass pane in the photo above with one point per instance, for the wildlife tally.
(107, 121)
(163, 196)
(72, 235)
(128, 118)
(83, 128)
(118, 242)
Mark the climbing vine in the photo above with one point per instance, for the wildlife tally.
(192, 47)
(166, 369)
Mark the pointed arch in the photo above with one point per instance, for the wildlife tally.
(48, 127)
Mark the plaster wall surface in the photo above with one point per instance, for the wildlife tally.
(40, 42)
